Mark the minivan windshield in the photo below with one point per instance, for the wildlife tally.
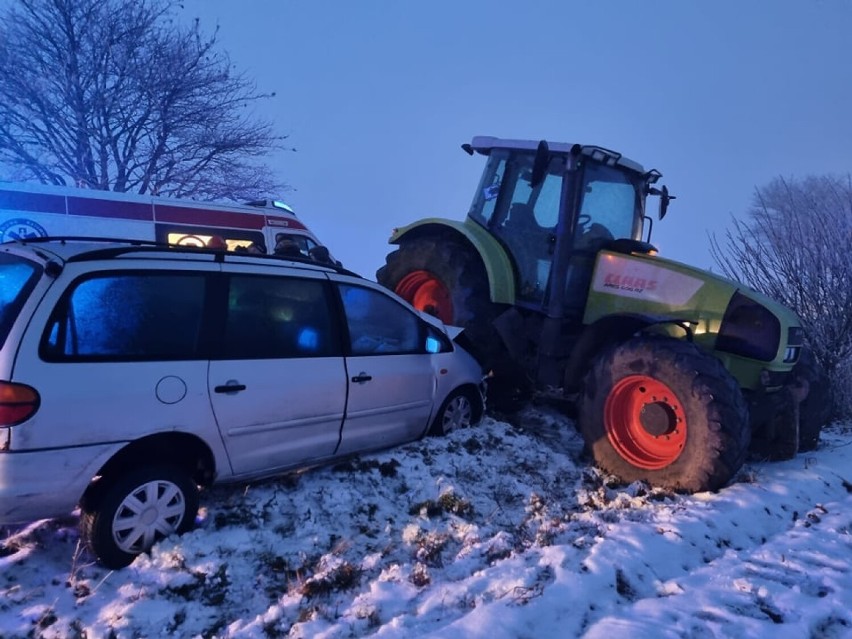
(17, 279)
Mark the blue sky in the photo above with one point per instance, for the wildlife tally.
(377, 97)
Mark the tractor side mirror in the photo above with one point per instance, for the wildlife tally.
(665, 198)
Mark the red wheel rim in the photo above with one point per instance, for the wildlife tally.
(426, 292)
(645, 422)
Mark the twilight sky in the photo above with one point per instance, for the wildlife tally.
(377, 96)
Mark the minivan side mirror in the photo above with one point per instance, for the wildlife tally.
(436, 342)
(433, 345)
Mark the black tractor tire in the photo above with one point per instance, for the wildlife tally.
(153, 503)
(461, 409)
(775, 425)
(659, 410)
(815, 410)
(460, 270)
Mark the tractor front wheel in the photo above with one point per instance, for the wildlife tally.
(657, 409)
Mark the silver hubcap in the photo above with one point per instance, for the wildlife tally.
(459, 414)
(150, 512)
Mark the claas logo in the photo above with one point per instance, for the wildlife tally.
(629, 283)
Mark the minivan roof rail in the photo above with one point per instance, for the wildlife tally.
(147, 246)
(89, 239)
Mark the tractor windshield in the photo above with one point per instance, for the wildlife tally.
(610, 208)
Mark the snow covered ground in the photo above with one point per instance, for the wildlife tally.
(498, 531)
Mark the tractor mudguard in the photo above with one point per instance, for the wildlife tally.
(608, 330)
(498, 265)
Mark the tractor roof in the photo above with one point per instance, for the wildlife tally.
(485, 144)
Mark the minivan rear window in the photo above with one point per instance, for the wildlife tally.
(17, 279)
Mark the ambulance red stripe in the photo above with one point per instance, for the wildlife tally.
(188, 215)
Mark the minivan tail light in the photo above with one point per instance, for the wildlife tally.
(18, 402)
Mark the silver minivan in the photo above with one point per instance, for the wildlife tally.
(131, 374)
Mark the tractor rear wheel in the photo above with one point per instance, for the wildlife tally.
(657, 409)
(446, 277)
(443, 277)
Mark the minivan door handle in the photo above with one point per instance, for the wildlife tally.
(362, 377)
(231, 386)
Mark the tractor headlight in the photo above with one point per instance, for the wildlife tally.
(795, 339)
(749, 329)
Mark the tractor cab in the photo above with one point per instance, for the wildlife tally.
(553, 207)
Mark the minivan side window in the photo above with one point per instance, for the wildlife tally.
(128, 316)
(275, 317)
(378, 324)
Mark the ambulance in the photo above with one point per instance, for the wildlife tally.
(36, 210)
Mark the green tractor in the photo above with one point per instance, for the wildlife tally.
(673, 373)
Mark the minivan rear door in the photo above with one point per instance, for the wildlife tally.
(278, 382)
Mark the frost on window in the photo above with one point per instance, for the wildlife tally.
(378, 324)
(608, 209)
(130, 316)
(13, 277)
(16, 280)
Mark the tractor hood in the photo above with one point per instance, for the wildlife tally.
(723, 315)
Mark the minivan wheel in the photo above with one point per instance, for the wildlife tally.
(457, 411)
(138, 509)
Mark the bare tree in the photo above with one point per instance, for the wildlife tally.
(117, 95)
(796, 246)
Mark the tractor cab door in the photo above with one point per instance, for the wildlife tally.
(523, 217)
